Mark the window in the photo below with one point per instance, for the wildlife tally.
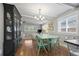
(68, 24)
(29, 28)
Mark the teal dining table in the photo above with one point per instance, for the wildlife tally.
(48, 37)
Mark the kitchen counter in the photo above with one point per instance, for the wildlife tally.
(73, 42)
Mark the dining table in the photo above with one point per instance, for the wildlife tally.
(48, 37)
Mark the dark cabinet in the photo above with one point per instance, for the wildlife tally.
(12, 32)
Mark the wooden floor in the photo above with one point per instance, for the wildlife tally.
(28, 48)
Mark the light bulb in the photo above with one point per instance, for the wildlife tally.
(42, 18)
(35, 17)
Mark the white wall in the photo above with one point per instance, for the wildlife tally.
(1, 28)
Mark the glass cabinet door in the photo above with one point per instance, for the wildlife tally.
(17, 34)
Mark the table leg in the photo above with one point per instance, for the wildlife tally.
(49, 45)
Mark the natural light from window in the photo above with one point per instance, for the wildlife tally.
(68, 24)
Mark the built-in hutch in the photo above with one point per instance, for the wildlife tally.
(12, 32)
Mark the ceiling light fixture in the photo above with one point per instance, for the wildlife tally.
(39, 16)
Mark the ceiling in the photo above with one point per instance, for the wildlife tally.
(73, 4)
(49, 10)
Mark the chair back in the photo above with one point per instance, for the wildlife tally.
(39, 40)
(54, 40)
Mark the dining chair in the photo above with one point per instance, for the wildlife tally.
(41, 45)
(54, 43)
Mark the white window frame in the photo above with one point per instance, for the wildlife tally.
(66, 19)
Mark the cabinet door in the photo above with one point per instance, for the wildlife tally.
(17, 19)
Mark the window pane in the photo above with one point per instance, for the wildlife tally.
(63, 23)
(68, 24)
(71, 29)
(72, 21)
(63, 29)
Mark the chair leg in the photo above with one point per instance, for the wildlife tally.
(38, 51)
(45, 50)
(49, 47)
